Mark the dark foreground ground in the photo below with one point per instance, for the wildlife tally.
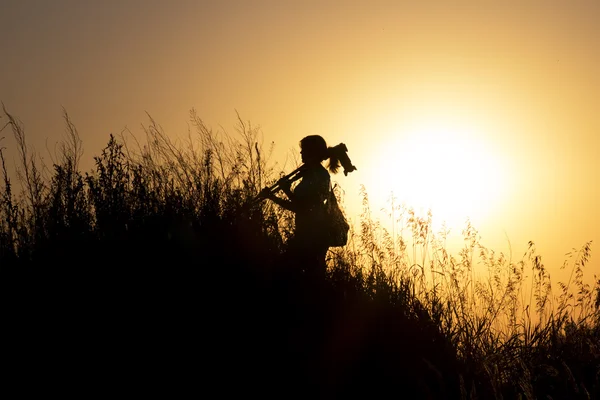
(157, 317)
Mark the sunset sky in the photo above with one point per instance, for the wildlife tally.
(483, 109)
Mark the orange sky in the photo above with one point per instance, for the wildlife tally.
(506, 95)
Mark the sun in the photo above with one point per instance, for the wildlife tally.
(448, 169)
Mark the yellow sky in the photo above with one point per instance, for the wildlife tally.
(497, 104)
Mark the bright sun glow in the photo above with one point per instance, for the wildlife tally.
(447, 169)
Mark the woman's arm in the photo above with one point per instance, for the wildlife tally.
(286, 187)
(290, 205)
(309, 193)
(287, 204)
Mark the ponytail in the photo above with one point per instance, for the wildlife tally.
(334, 160)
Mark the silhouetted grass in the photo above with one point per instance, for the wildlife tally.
(153, 271)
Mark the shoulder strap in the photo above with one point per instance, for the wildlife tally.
(332, 197)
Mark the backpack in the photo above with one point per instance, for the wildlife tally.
(335, 225)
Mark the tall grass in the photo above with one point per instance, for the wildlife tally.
(509, 325)
(161, 241)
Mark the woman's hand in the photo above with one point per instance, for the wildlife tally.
(285, 184)
(265, 193)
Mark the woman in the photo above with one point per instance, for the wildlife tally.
(308, 246)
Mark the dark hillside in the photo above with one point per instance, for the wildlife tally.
(151, 275)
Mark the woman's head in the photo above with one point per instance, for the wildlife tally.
(313, 149)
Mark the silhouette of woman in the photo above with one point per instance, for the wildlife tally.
(307, 248)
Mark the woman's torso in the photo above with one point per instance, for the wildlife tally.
(310, 195)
